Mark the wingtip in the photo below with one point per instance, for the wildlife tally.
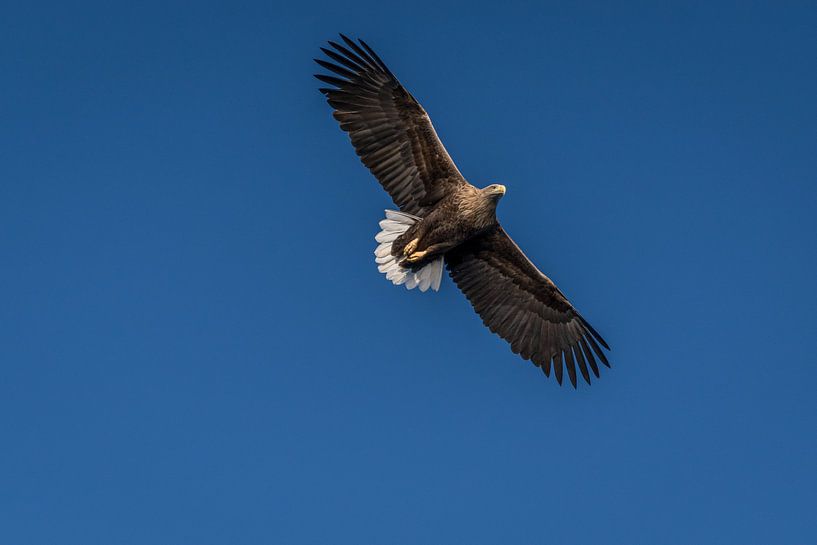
(593, 331)
(347, 39)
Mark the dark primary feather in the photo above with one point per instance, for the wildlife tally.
(522, 305)
(389, 129)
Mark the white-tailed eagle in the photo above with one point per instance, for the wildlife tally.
(444, 219)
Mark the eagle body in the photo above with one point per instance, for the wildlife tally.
(445, 222)
(466, 213)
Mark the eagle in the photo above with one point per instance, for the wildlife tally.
(444, 221)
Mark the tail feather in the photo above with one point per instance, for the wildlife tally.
(429, 276)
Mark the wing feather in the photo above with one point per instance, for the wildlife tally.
(557, 367)
(582, 364)
(381, 116)
(524, 307)
(571, 366)
(588, 354)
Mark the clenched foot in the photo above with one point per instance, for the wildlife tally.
(415, 257)
(409, 248)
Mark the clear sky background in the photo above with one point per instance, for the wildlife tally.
(197, 348)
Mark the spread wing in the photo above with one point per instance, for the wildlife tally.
(520, 304)
(389, 129)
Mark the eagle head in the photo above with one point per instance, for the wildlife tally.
(494, 191)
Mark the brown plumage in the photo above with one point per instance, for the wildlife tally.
(394, 138)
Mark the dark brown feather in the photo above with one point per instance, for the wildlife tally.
(582, 364)
(588, 354)
(571, 366)
(557, 367)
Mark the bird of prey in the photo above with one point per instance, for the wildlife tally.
(444, 219)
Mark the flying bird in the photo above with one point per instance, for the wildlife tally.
(445, 221)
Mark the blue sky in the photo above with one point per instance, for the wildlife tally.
(197, 346)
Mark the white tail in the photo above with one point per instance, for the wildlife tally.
(395, 224)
